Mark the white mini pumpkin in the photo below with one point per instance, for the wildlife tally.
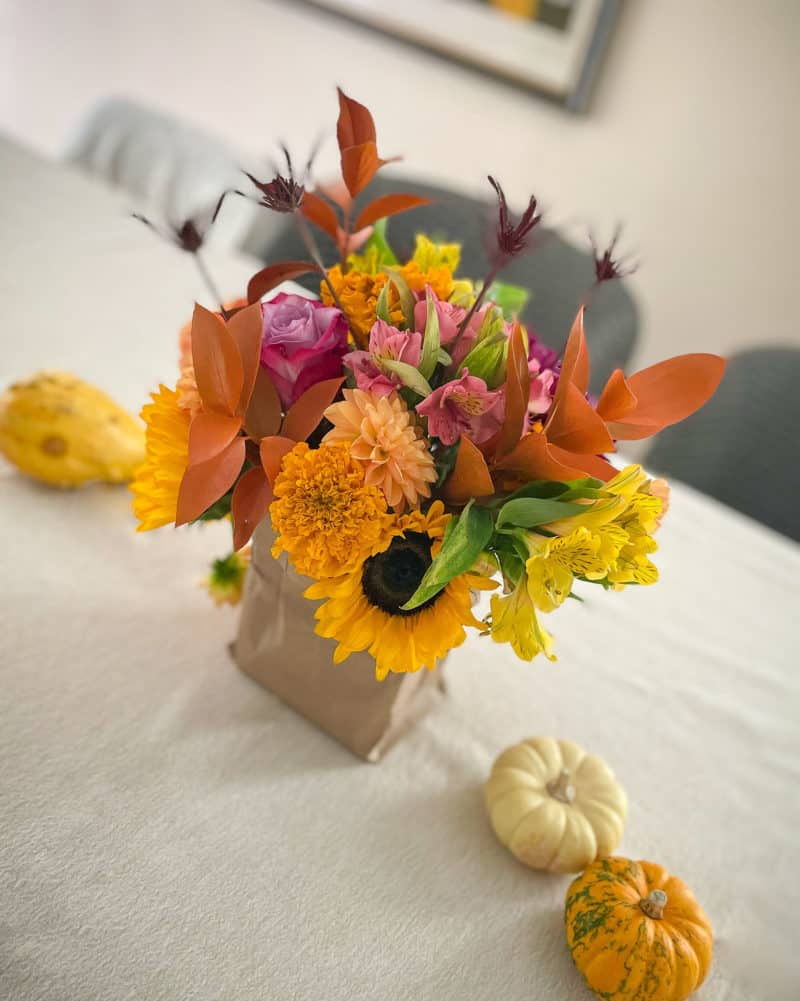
(554, 806)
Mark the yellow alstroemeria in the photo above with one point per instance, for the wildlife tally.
(514, 621)
(429, 255)
(632, 566)
(627, 482)
(554, 563)
(596, 512)
(643, 513)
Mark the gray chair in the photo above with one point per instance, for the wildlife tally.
(556, 273)
(741, 447)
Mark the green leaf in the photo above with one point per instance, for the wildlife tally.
(461, 546)
(445, 460)
(536, 488)
(407, 300)
(430, 341)
(528, 512)
(487, 360)
(219, 509)
(384, 255)
(382, 305)
(407, 374)
(443, 357)
(512, 299)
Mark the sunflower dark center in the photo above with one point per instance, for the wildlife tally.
(390, 578)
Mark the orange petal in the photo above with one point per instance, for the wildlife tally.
(388, 205)
(209, 434)
(533, 459)
(272, 451)
(246, 329)
(576, 425)
(575, 364)
(252, 496)
(205, 483)
(589, 465)
(306, 412)
(517, 395)
(264, 410)
(616, 399)
(470, 476)
(669, 392)
(217, 363)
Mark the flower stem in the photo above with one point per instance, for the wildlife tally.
(494, 271)
(209, 281)
(311, 246)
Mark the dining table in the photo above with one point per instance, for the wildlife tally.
(171, 831)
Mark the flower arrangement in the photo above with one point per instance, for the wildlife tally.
(409, 439)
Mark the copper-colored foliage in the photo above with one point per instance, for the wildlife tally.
(206, 482)
(355, 132)
(517, 393)
(318, 211)
(217, 362)
(388, 205)
(268, 278)
(249, 505)
(272, 451)
(306, 412)
(263, 415)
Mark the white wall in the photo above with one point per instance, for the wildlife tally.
(692, 139)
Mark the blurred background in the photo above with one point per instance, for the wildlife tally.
(685, 132)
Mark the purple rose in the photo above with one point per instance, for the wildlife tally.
(303, 344)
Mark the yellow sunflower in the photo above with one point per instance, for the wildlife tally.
(362, 610)
(157, 481)
(324, 515)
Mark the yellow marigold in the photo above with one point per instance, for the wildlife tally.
(324, 515)
(358, 292)
(156, 483)
(385, 438)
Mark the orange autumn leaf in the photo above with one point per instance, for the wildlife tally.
(617, 398)
(217, 362)
(355, 124)
(263, 415)
(388, 205)
(202, 485)
(272, 451)
(318, 211)
(209, 434)
(252, 496)
(306, 412)
(268, 278)
(246, 329)
(359, 166)
(576, 426)
(470, 476)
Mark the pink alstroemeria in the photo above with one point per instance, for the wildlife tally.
(385, 342)
(542, 387)
(450, 318)
(463, 406)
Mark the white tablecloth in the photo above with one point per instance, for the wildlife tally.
(170, 831)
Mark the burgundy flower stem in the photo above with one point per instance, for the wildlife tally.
(209, 282)
(311, 246)
(494, 271)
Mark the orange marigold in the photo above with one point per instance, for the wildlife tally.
(324, 515)
(358, 292)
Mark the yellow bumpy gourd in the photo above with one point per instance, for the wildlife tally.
(63, 431)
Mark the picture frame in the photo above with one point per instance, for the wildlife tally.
(554, 47)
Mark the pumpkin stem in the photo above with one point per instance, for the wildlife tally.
(654, 903)
(561, 788)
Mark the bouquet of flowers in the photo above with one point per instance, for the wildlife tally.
(410, 441)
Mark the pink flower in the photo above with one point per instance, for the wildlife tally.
(542, 383)
(385, 342)
(450, 318)
(464, 406)
(303, 344)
